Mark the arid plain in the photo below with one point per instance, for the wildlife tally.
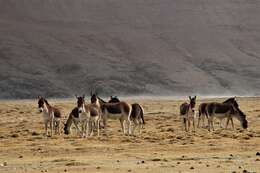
(162, 146)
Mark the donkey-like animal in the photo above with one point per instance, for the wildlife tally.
(73, 119)
(89, 115)
(136, 117)
(187, 113)
(120, 110)
(203, 112)
(228, 109)
(51, 116)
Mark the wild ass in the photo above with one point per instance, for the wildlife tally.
(120, 110)
(72, 119)
(51, 116)
(89, 115)
(227, 109)
(136, 117)
(203, 112)
(187, 113)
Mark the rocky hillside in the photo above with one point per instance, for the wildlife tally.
(57, 48)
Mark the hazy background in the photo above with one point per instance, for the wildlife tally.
(57, 48)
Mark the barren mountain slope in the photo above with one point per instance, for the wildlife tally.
(60, 47)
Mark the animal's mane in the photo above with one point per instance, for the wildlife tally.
(229, 100)
(46, 101)
(233, 101)
(103, 101)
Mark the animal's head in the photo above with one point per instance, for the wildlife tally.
(240, 116)
(192, 101)
(80, 100)
(81, 103)
(40, 103)
(94, 98)
(243, 120)
(113, 99)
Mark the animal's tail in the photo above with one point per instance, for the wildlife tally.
(142, 114)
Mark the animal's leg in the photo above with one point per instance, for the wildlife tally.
(122, 125)
(98, 131)
(203, 120)
(92, 128)
(51, 126)
(78, 130)
(199, 121)
(220, 123)
(88, 128)
(232, 123)
(125, 127)
(188, 124)
(130, 128)
(212, 124)
(136, 123)
(140, 126)
(193, 121)
(209, 122)
(59, 126)
(46, 128)
(227, 123)
(184, 124)
(105, 123)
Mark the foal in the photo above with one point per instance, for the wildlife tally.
(187, 113)
(51, 115)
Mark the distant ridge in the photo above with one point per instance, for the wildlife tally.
(119, 47)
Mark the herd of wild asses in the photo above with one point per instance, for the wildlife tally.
(90, 116)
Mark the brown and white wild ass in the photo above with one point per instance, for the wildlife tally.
(136, 117)
(51, 116)
(120, 110)
(187, 113)
(87, 114)
(228, 109)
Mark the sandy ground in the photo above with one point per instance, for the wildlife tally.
(162, 146)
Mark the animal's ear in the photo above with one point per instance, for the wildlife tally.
(39, 97)
(190, 97)
(195, 97)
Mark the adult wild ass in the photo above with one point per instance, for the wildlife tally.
(136, 117)
(88, 114)
(120, 110)
(228, 109)
(203, 113)
(51, 116)
(187, 113)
